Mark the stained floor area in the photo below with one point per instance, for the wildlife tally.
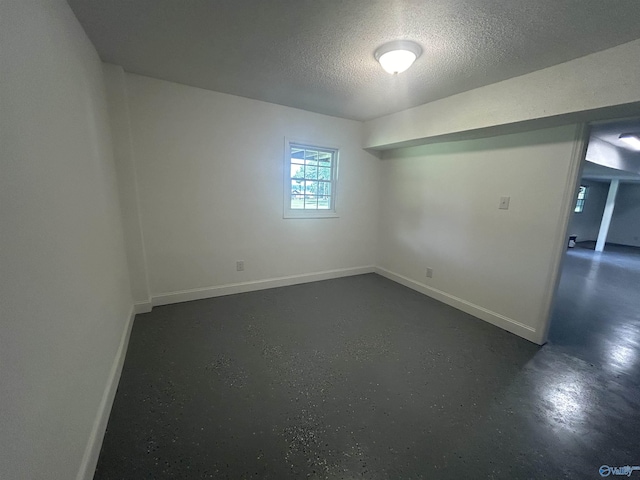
(360, 377)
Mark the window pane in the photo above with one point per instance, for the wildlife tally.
(311, 187)
(310, 171)
(297, 155)
(297, 202)
(324, 173)
(582, 193)
(324, 203)
(311, 157)
(324, 188)
(297, 188)
(325, 158)
(297, 171)
(310, 202)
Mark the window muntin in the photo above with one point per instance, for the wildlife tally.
(310, 180)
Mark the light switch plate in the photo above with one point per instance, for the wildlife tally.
(504, 203)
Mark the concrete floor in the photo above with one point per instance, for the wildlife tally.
(597, 317)
(362, 378)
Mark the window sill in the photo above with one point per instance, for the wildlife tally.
(307, 214)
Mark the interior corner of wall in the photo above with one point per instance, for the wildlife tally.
(143, 307)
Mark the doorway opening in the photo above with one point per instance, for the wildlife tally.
(596, 313)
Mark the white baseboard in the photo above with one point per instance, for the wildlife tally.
(143, 307)
(494, 318)
(233, 288)
(92, 452)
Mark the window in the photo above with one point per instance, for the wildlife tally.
(310, 180)
(582, 196)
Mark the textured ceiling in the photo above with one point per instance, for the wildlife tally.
(318, 54)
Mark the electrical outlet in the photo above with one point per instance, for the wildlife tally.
(429, 272)
(240, 266)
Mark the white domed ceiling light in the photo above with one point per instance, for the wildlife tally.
(397, 56)
(631, 139)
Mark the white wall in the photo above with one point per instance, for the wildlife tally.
(439, 209)
(117, 100)
(586, 224)
(625, 224)
(601, 80)
(64, 288)
(209, 169)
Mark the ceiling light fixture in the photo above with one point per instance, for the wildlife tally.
(397, 56)
(631, 139)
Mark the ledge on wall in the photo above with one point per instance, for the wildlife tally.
(587, 116)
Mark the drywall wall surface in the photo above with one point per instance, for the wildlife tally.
(440, 210)
(210, 181)
(600, 80)
(123, 154)
(64, 288)
(586, 224)
(625, 223)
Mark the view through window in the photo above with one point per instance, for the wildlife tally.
(582, 196)
(311, 181)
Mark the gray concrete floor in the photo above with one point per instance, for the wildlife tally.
(597, 316)
(362, 378)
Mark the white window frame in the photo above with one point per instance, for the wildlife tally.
(289, 212)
